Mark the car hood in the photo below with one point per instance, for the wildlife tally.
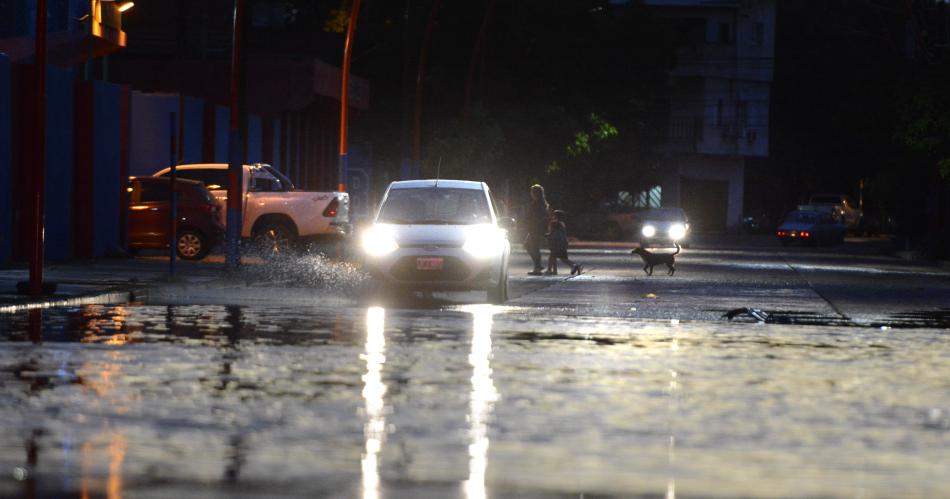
(439, 235)
(663, 224)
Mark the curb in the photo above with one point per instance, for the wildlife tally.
(95, 298)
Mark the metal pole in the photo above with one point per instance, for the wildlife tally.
(235, 149)
(39, 144)
(172, 197)
(87, 70)
(344, 97)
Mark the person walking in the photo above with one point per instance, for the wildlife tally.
(536, 224)
(557, 242)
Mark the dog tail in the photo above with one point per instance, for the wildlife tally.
(677, 249)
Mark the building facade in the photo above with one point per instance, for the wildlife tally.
(718, 104)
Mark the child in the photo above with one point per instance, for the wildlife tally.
(557, 242)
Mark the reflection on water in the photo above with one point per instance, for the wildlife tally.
(373, 391)
(482, 397)
(199, 401)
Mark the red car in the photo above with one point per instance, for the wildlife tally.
(199, 225)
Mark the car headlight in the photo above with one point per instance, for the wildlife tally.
(378, 240)
(677, 231)
(483, 241)
(648, 230)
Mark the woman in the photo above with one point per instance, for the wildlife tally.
(536, 225)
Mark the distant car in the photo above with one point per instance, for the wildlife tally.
(841, 206)
(604, 224)
(439, 235)
(810, 227)
(199, 226)
(663, 227)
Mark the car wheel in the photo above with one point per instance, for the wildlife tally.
(274, 239)
(191, 245)
(498, 294)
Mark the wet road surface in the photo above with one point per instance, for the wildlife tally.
(471, 401)
(584, 386)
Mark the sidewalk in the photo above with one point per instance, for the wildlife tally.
(108, 280)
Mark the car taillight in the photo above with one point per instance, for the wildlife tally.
(805, 234)
(330, 210)
(780, 233)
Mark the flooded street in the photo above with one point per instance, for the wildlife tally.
(464, 401)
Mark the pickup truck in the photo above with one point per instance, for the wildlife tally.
(840, 206)
(276, 215)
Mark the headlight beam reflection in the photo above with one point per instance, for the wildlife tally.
(374, 432)
(481, 401)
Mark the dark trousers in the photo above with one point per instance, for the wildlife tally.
(532, 244)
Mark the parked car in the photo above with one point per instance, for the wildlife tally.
(663, 227)
(276, 215)
(199, 225)
(841, 206)
(810, 227)
(439, 235)
(604, 224)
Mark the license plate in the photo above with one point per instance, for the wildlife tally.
(429, 263)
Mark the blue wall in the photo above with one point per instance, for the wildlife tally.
(105, 169)
(254, 147)
(222, 127)
(194, 116)
(6, 209)
(59, 164)
(275, 154)
(149, 138)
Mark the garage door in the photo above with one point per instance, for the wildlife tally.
(705, 203)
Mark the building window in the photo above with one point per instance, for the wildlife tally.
(650, 198)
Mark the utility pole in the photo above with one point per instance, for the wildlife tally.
(39, 154)
(344, 96)
(235, 147)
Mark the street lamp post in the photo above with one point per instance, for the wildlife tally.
(344, 96)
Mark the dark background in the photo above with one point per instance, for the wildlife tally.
(858, 98)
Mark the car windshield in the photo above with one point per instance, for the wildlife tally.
(802, 217)
(435, 205)
(664, 215)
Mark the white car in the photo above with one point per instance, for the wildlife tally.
(664, 227)
(439, 235)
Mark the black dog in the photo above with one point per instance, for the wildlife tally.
(651, 259)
